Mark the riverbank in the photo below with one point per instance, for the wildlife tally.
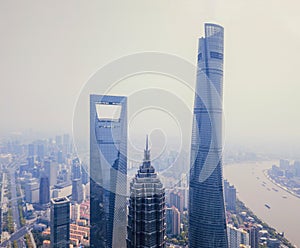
(273, 233)
(279, 185)
(254, 189)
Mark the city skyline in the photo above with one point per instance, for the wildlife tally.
(83, 84)
(43, 80)
(237, 215)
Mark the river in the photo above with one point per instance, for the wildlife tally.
(255, 190)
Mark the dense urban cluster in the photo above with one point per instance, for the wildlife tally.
(44, 187)
(286, 176)
(245, 229)
(39, 194)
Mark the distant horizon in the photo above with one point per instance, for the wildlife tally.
(289, 152)
(42, 77)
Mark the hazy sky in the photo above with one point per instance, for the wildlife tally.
(49, 49)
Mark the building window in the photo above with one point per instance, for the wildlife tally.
(216, 55)
(199, 56)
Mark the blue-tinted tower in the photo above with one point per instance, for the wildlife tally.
(44, 191)
(108, 169)
(207, 221)
(76, 169)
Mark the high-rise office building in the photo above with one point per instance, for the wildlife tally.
(84, 174)
(172, 221)
(60, 222)
(44, 190)
(146, 217)
(108, 169)
(76, 169)
(77, 190)
(207, 220)
(32, 191)
(50, 169)
(230, 196)
(177, 200)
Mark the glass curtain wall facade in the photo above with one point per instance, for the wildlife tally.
(108, 169)
(146, 217)
(60, 222)
(77, 191)
(44, 191)
(207, 221)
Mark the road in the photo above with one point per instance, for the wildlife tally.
(14, 204)
(17, 235)
(2, 200)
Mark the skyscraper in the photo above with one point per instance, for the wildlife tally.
(230, 196)
(177, 200)
(84, 174)
(60, 223)
(77, 190)
(207, 221)
(173, 221)
(76, 169)
(32, 191)
(146, 217)
(50, 169)
(108, 168)
(44, 190)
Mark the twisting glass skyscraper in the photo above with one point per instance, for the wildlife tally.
(108, 168)
(146, 217)
(207, 222)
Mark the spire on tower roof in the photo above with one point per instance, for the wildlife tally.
(146, 169)
(147, 142)
(147, 153)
